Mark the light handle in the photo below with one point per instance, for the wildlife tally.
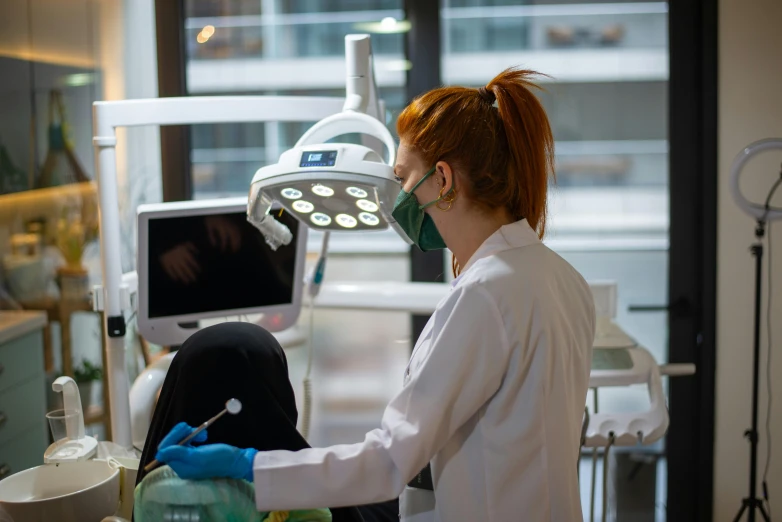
(349, 123)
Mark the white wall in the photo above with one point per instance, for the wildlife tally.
(750, 108)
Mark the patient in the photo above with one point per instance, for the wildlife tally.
(242, 361)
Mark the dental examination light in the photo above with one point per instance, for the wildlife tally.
(329, 186)
(762, 213)
(334, 186)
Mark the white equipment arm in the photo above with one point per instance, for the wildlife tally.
(107, 117)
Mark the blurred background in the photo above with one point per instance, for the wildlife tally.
(618, 184)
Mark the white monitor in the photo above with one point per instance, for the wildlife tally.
(203, 259)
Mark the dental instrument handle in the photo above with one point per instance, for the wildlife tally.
(152, 465)
(229, 408)
(201, 428)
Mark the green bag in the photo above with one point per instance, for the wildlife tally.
(162, 495)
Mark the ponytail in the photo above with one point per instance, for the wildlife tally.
(497, 136)
(530, 143)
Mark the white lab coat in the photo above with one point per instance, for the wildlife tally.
(494, 397)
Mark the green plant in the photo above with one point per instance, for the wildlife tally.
(87, 372)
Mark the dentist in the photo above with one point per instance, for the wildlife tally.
(487, 425)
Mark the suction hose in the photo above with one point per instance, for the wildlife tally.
(315, 281)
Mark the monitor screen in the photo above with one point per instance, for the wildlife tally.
(213, 262)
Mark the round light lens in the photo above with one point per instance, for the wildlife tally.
(366, 205)
(291, 193)
(323, 191)
(320, 219)
(347, 221)
(357, 192)
(369, 219)
(305, 207)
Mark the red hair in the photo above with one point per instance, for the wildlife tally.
(504, 153)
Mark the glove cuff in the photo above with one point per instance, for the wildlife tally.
(249, 459)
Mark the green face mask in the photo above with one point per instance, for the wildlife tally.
(417, 224)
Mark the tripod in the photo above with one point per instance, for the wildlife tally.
(752, 502)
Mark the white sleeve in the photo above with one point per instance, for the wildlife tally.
(463, 369)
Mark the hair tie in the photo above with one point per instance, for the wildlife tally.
(488, 96)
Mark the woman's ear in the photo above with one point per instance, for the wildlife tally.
(444, 175)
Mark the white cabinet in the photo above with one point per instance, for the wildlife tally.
(23, 429)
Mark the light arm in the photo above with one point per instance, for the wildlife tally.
(360, 88)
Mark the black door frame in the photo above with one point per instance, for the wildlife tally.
(693, 33)
(422, 48)
(172, 82)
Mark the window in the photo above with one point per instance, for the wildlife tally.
(606, 97)
(297, 48)
(282, 48)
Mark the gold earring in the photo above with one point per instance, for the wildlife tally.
(448, 199)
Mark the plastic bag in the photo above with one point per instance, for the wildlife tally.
(162, 495)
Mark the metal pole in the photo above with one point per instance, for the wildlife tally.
(757, 251)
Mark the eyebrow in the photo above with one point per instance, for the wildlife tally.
(401, 167)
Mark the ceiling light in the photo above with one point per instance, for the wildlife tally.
(388, 25)
(397, 65)
(76, 80)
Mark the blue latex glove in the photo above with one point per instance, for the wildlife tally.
(204, 462)
(179, 432)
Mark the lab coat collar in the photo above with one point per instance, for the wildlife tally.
(507, 237)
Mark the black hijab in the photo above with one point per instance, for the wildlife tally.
(232, 360)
